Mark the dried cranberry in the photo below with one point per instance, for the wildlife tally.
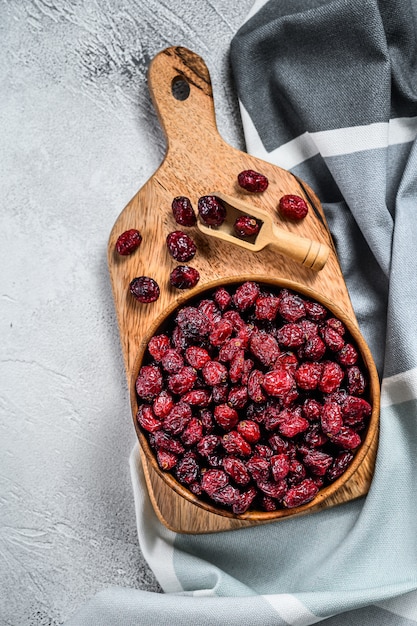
(158, 345)
(183, 380)
(331, 377)
(317, 462)
(273, 489)
(252, 181)
(193, 432)
(300, 494)
(197, 397)
(193, 323)
(312, 409)
(249, 430)
(222, 298)
(234, 443)
(197, 357)
(180, 246)
(255, 390)
(331, 418)
(166, 460)
(221, 332)
(163, 404)
(346, 438)
(290, 336)
(258, 467)
(172, 361)
(237, 397)
(211, 210)
(214, 373)
(264, 347)
(356, 381)
(348, 355)
(183, 211)
(149, 382)
(187, 469)
(315, 310)
(147, 420)
(213, 480)
(293, 425)
(243, 501)
(177, 419)
(144, 289)
(163, 441)
(208, 444)
(340, 465)
(245, 296)
(225, 416)
(266, 308)
(314, 349)
(291, 307)
(209, 308)
(184, 277)
(246, 226)
(333, 340)
(293, 207)
(280, 466)
(278, 382)
(236, 469)
(128, 242)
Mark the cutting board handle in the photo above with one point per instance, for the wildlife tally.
(180, 86)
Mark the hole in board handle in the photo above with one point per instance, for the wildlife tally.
(180, 89)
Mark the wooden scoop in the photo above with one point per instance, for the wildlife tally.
(311, 254)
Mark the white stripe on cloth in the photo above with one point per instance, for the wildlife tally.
(291, 609)
(330, 143)
(156, 541)
(399, 388)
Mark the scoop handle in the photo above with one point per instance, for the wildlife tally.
(310, 253)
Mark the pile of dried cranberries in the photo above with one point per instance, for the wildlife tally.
(254, 397)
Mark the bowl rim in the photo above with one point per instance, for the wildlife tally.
(374, 395)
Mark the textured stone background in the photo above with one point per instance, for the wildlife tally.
(78, 138)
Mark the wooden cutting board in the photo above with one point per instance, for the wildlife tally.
(198, 161)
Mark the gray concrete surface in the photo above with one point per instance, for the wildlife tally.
(78, 138)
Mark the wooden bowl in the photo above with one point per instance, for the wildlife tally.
(364, 454)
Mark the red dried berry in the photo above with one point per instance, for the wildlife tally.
(339, 466)
(280, 466)
(312, 409)
(243, 501)
(193, 323)
(255, 390)
(197, 357)
(187, 470)
(348, 355)
(222, 331)
(346, 438)
(184, 277)
(208, 445)
(225, 416)
(144, 289)
(269, 504)
(234, 443)
(147, 420)
(213, 480)
(230, 348)
(246, 226)
(333, 340)
(183, 211)
(259, 468)
(209, 308)
(149, 382)
(356, 381)
(177, 419)
(314, 349)
(252, 181)
(182, 381)
(245, 296)
(264, 347)
(314, 437)
(293, 207)
(237, 397)
(278, 382)
(331, 418)
(211, 210)
(197, 397)
(180, 246)
(291, 307)
(266, 308)
(290, 336)
(236, 469)
(222, 298)
(166, 460)
(300, 494)
(193, 432)
(273, 489)
(249, 430)
(337, 325)
(214, 373)
(314, 310)
(158, 345)
(355, 410)
(163, 404)
(293, 425)
(219, 393)
(317, 462)
(227, 495)
(163, 441)
(287, 361)
(128, 242)
(331, 377)
(172, 361)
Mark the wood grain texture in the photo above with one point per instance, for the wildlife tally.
(197, 162)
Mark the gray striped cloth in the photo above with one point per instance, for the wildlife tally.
(328, 90)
